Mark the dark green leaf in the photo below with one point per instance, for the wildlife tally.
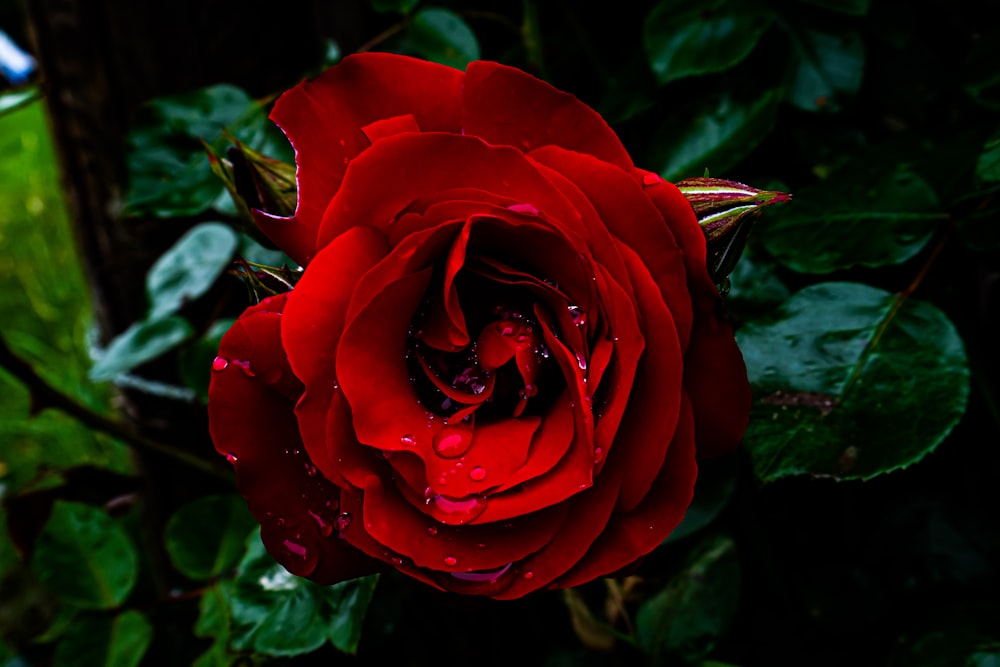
(714, 135)
(401, 6)
(213, 623)
(754, 285)
(267, 600)
(851, 382)
(440, 35)
(189, 267)
(169, 173)
(825, 67)
(855, 7)
(207, 537)
(713, 489)
(683, 622)
(102, 641)
(982, 76)
(847, 221)
(195, 360)
(988, 164)
(965, 635)
(85, 557)
(141, 342)
(682, 39)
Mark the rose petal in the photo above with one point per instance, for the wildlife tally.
(323, 118)
(503, 105)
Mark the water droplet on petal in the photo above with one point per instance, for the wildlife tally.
(325, 529)
(220, 364)
(579, 317)
(452, 442)
(408, 440)
(529, 574)
(523, 208)
(477, 474)
(458, 511)
(231, 457)
(450, 561)
(245, 367)
(598, 454)
(432, 531)
(581, 361)
(296, 548)
(342, 522)
(651, 179)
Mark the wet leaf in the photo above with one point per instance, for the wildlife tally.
(714, 134)
(826, 67)
(102, 641)
(850, 382)
(682, 39)
(683, 622)
(189, 267)
(848, 221)
(207, 537)
(440, 35)
(267, 600)
(141, 342)
(85, 557)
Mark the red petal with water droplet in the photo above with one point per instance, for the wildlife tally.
(323, 118)
(507, 106)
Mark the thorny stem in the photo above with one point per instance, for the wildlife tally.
(44, 395)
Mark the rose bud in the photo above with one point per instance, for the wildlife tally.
(503, 359)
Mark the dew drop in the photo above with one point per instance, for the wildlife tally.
(477, 474)
(598, 454)
(325, 529)
(651, 179)
(481, 545)
(458, 511)
(310, 469)
(432, 531)
(409, 440)
(296, 548)
(450, 561)
(529, 574)
(452, 442)
(220, 364)
(579, 317)
(581, 361)
(442, 480)
(523, 208)
(231, 457)
(342, 522)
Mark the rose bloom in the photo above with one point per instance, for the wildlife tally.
(505, 355)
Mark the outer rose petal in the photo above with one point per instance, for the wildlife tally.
(324, 117)
(252, 422)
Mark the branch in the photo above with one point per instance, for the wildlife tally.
(44, 395)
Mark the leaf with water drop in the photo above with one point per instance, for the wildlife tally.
(685, 620)
(440, 35)
(105, 641)
(141, 342)
(682, 39)
(207, 537)
(85, 557)
(267, 600)
(855, 218)
(851, 382)
(189, 268)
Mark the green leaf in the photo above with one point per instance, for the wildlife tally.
(169, 172)
(15, 99)
(988, 164)
(141, 342)
(207, 537)
(189, 267)
(712, 491)
(213, 623)
(85, 557)
(825, 68)
(715, 134)
(103, 641)
(267, 600)
(851, 382)
(440, 35)
(683, 39)
(981, 75)
(850, 221)
(195, 360)
(682, 623)
(400, 6)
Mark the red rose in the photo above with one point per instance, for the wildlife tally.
(504, 355)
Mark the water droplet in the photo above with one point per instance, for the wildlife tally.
(325, 529)
(296, 548)
(220, 364)
(452, 442)
(458, 511)
(432, 531)
(442, 480)
(523, 208)
(231, 457)
(408, 440)
(245, 367)
(529, 574)
(477, 474)
(651, 179)
(310, 469)
(579, 317)
(342, 522)
(581, 361)
(483, 576)
(450, 561)
(481, 545)
(598, 454)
